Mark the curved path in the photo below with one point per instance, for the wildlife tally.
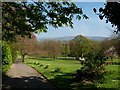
(23, 76)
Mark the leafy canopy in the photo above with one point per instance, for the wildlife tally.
(24, 18)
(112, 14)
(81, 45)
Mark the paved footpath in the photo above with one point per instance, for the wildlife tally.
(23, 76)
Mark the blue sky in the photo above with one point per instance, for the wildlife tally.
(91, 27)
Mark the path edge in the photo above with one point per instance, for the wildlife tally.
(43, 76)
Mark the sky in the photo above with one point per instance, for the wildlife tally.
(90, 27)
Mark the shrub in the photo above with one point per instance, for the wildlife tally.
(6, 57)
(36, 63)
(47, 66)
(41, 65)
(57, 70)
(13, 53)
(93, 66)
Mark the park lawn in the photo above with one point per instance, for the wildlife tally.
(62, 72)
(59, 72)
(111, 79)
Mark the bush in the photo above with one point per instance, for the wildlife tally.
(13, 53)
(6, 57)
(36, 63)
(41, 65)
(57, 70)
(47, 66)
(93, 66)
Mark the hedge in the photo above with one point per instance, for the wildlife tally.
(14, 52)
(6, 57)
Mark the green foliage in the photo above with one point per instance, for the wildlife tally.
(47, 66)
(6, 57)
(57, 70)
(81, 46)
(66, 49)
(36, 63)
(41, 65)
(49, 48)
(14, 52)
(117, 44)
(93, 66)
(66, 78)
(111, 13)
(25, 17)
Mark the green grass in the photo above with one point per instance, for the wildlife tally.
(64, 65)
(62, 72)
(111, 79)
(59, 78)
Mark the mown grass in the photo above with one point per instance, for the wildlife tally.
(111, 78)
(62, 72)
(64, 66)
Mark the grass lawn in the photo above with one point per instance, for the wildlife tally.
(111, 78)
(62, 72)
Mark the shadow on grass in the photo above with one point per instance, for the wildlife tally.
(26, 82)
(67, 81)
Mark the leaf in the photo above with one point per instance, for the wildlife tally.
(49, 6)
(101, 9)
(78, 17)
(101, 17)
(106, 21)
(85, 17)
(94, 10)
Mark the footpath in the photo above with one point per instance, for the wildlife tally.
(23, 76)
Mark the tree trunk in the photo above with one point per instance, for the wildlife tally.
(23, 58)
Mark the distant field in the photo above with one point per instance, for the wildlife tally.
(62, 72)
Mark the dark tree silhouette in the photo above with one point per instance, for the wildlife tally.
(112, 14)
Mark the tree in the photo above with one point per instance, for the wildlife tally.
(109, 48)
(25, 45)
(48, 48)
(81, 46)
(111, 13)
(66, 49)
(35, 17)
(117, 44)
(93, 67)
(14, 51)
(53, 48)
(6, 57)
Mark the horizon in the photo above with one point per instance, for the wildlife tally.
(70, 36)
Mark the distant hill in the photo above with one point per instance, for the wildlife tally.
(95, 38)
(68, 38)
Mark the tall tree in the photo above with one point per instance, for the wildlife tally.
(66, 49)
(117, 44)
(25, 45)
(81, 46)
(23, 17)
(53, 48)
(111, 13)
